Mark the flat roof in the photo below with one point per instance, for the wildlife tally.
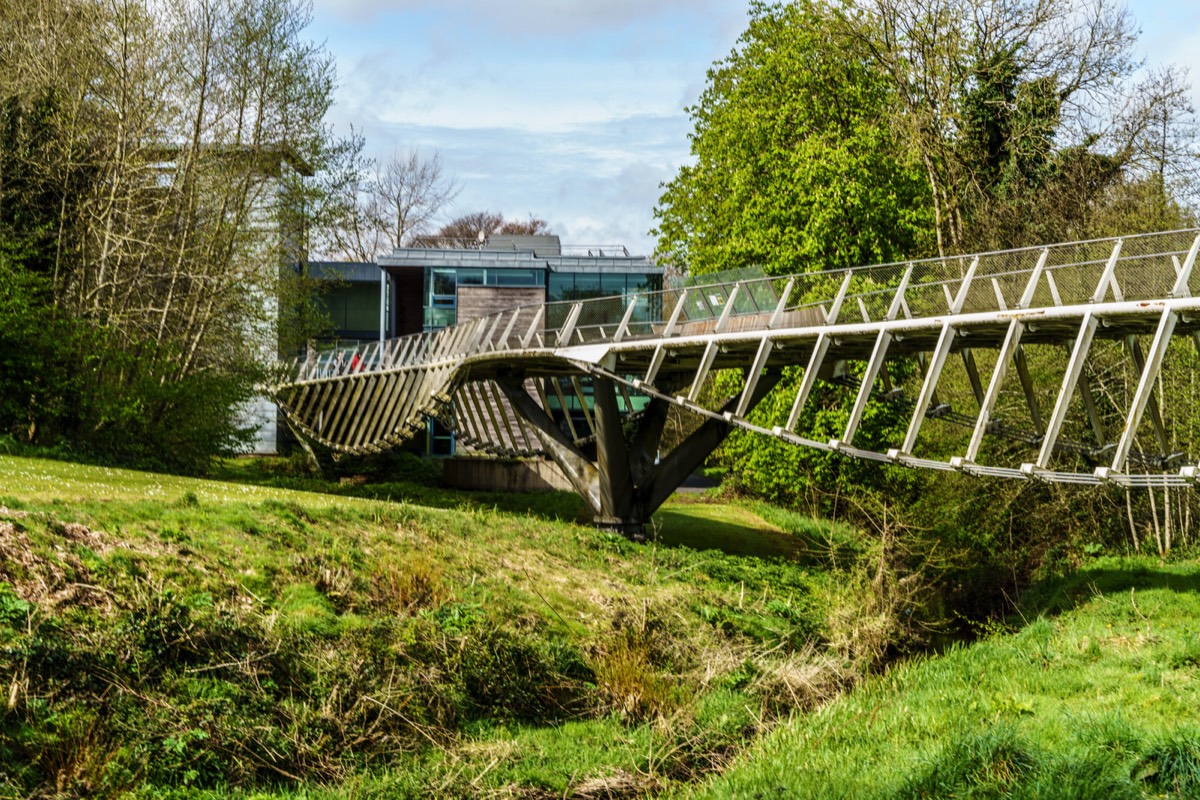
(422, 257)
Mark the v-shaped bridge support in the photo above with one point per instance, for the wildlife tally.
(628, 479)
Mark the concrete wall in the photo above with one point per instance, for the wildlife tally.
(260, 414)
(490, 474)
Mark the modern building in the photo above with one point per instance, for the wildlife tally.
(351, 299)
(417, 289)
(436, 287)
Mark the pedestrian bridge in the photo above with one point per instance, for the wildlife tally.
(1085, 326)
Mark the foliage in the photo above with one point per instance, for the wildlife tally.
(146, 149)
(797, 167)
(1027, 117)
(799, 476)
(466, 230)
(178, 637)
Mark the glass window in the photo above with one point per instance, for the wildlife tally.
(471, 277)
(561, 286)
(612, 284)
(439, 317)
(586, 285)
(514, 277)
(440, 439)
(362, 307)
(637, 283)
(445, 282)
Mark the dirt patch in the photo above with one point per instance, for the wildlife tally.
(45, 581)
(79, 534)
(17, 560)
(620, 784)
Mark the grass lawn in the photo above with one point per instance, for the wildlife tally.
(172, 637)
(1096, 695)
(166, 636)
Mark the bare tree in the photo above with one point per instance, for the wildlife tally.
(526, 227)
(408, 193)
(170, 126)
(470, 230)
(340, 208)
(1070, 62)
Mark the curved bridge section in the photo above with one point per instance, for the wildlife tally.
(1085, 327)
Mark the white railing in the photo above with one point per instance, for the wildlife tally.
(1130, 268)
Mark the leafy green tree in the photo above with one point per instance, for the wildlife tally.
(797, 166)
(1023, 113)
(146, 216)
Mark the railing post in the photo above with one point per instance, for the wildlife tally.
(624, 326)
(1031, 287)
(675, 312)
(1109, 275)
(782, 304)
(564, 334)
(728, 309)
(1181, 289)
(961, 298)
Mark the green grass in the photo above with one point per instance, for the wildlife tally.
(1096, 695)
(287, 637)
(166, 636)
(753, 529)
(39, 481)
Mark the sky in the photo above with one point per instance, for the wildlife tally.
(571, 111)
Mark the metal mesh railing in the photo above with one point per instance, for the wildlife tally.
(1143, 267)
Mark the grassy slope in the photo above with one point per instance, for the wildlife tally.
(161, 633)
(683, 654)
(1096, 695)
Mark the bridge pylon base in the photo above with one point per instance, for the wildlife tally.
(633, 529)
(627, 481)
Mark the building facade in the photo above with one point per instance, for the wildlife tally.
(417, 289)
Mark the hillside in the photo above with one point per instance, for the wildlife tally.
(170, 637)
(1095, 694)
(163, 636)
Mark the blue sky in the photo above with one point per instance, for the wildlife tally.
(568, 110)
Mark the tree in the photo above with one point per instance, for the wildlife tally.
(1015, 105)
(465, 230)
(408, 193)
(337, 209)
(471, 230)
(141, 160)
(525, 227)
(797, 164)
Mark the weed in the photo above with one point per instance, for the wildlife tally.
(975, 765)
(178, 638)
(408, 585)
(799, 682)
(1172, 766)
(514, 675)
(628, 682)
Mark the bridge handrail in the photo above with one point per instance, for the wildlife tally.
(1066, 274)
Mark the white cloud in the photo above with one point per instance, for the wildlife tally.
(569, 110)
(594, 184)
(526, 19)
